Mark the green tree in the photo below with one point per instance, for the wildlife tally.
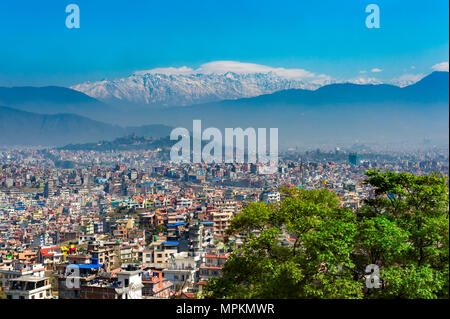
(403, 229)
(317, 264)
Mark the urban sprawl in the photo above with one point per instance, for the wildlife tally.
(128, 225)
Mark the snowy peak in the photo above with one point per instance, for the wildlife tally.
(215, 81)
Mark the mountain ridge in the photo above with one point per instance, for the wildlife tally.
(171, 87)
(430, 89)
(51, 100)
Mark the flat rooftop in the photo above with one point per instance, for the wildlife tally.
(29, 278)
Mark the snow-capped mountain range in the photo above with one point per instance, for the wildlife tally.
(214, 81)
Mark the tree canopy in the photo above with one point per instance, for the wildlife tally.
(309, 246)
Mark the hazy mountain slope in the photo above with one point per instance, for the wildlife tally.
(51, 100)
(335, 113)
(26, 128)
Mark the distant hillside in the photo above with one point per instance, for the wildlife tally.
(431, 89)
(26, 128)
(133, 142)
(47, 94)
(51, 100)
(126, 143)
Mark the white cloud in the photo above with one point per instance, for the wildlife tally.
(376, 70)
(443, 66)
(167, 71)
(222, 67)
(363, 80)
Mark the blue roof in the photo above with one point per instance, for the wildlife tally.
(176, 224)
(207, 223)
(88, 266)
(170, 243)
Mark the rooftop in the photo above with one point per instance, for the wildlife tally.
(30, 278)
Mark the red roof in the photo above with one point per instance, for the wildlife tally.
(216, 256)
(45, 251)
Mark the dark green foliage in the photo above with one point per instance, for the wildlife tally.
(403, 229)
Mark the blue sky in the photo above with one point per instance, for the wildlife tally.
(119, 37)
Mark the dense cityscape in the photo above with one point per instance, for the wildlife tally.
(224, 158)
(135, 226)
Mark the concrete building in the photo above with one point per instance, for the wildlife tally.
(17, 270)
(182, 269)
(29, 287)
